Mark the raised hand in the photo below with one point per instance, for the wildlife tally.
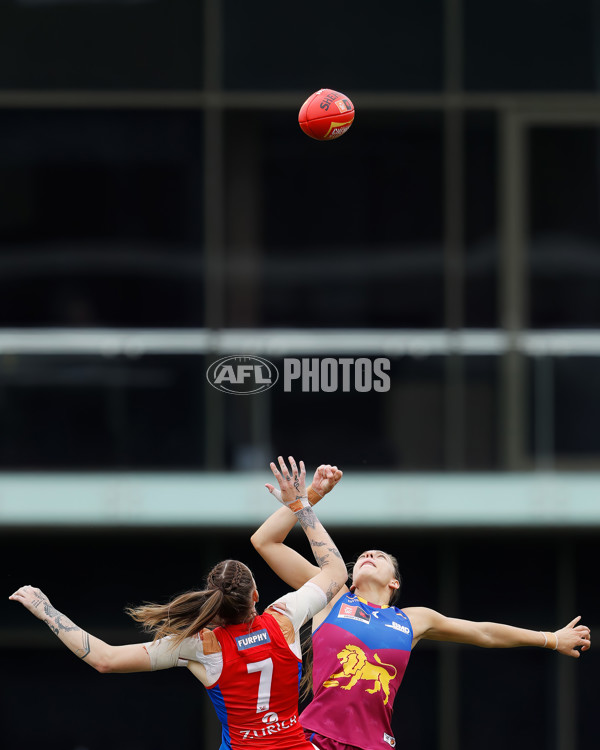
(292, 489)
(325, 479)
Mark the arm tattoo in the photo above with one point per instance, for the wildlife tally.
(315, 543)
(322, 560)
(332, 590)
(52, 626)
(57, 622)
(334, 551)
(85, 649)
(307, 518)
(57, 617)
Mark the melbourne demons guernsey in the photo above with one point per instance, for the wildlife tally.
(360, 653)
(256, 695)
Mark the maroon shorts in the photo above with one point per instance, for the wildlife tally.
(326, 743)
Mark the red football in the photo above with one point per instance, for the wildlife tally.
(326, 115)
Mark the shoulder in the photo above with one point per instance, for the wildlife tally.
(300, 606)
(210, 642)
(285, 624)
(421, 619)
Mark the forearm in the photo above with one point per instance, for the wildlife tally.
(275, 529)
(278, 525)
(325, 552)
(96, 653)
(497, 635)
(92, 650)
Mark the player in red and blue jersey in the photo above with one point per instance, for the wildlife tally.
(362, 643)
(249, 663)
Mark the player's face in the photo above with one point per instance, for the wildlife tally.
(373, 565)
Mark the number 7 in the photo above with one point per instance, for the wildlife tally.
(265, 667)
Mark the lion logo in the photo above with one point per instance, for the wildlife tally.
(355, 665)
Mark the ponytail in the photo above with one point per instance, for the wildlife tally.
(226, 600)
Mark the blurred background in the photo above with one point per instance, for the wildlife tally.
(160, 208)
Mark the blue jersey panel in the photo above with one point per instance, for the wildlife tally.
(218, 701)
(354, 615)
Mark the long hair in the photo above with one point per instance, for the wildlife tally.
(226, 600)
(307, 645)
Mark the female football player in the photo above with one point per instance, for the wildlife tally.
(249, 663)
(361, 643)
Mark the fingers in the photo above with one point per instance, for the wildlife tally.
(574, 622)
(295, 468)
(284, 468)
(274, 491)
(25, 593)
(20, 592)
(284, 473)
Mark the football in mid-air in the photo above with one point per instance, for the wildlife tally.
(326, 115)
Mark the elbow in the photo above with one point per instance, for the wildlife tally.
(104, 661)
(340, 573)
(256, 541)
(104, 666)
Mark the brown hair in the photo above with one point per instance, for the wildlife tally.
(226, 600)
(307, 646)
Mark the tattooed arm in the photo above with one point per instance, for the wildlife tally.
(96, 653)
(331, 574)
(269, 539)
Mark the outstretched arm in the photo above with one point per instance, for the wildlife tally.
(269, 539)
(95, 652)
(331, 573)
(427, 623)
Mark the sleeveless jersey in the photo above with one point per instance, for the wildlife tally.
(256, 695)
(360, 653)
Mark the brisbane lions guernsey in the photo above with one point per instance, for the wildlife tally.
(360, 653)
(256, 695)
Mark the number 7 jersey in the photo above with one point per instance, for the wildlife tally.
(256, 695)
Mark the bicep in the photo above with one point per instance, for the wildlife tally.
(429, 624)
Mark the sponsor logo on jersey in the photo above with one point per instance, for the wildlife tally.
(355, 667)
(252, 639)
(272, 726)
(354, 613)
(396, 626)
(389, 739)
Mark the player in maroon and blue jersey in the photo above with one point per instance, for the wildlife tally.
(362, 642)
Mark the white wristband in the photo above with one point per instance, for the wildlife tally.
(545, 639)
(300, 503)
